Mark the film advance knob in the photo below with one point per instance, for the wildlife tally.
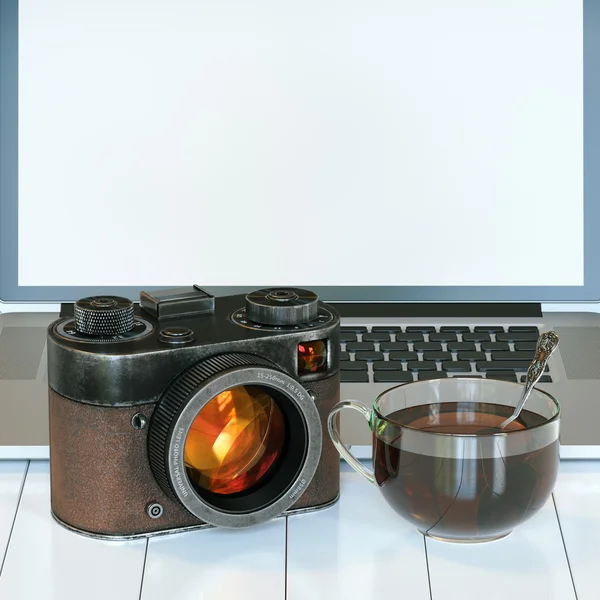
(104, 315)
(282, 306)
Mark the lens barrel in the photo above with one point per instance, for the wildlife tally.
(193, 449)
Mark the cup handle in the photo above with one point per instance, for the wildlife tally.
(334, 434)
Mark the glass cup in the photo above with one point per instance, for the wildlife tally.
(439, 468)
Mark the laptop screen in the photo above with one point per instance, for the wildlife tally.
(371, 151)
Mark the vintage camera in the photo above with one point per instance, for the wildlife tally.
(188, 411)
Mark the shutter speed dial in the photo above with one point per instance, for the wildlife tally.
(282, 306)
(104, 315)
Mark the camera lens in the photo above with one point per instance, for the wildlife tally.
(235, 440)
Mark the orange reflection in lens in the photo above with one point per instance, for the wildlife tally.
(234, 440)
(312, 357)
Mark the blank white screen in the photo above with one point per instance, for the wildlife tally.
(354, 142)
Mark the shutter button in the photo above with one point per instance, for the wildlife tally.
(176, 335)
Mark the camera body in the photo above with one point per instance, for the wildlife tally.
(186, 411)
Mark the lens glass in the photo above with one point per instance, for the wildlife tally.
(235, 440)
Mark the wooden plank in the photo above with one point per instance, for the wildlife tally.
(577, 497)
(218, 564)
(44, 560)
(355, 549)
(11, 482)
(529, 563)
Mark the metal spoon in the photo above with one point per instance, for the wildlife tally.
(546, 345)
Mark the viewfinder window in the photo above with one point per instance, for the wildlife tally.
(312, 357)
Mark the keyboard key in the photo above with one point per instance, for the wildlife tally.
(543, 379)
(423, 375)
(388, 328)
(455, 328)
(393, 346)
(503, 365)
(386, 365)
(354, 328)
(524, 328)
(493, 346)
(421, 365)
(456, 346)
(489, 328)
(353, 365)
(512, 336)
(409, 337)
(354, 377)
(392, 376)
(421, 328)
(347, 336)
(437, 356)
(528, 356)
(478, 336)
(526, 346)
(359, 346)
(404, 356)
(425, 346)
(344, 356)
(460, 366)
(471, 356)
(369, 356)
(503, 375)
(376, 337)
(442, 337)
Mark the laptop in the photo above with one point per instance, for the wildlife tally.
(411, 314)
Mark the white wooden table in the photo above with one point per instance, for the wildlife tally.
(356, 549)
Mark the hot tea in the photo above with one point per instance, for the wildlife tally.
(463, 487)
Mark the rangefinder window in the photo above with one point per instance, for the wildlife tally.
(312, 357)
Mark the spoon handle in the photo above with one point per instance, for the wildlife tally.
(546, 345)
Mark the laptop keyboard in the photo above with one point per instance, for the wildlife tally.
(398, 354)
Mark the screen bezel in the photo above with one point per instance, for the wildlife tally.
(10, 291)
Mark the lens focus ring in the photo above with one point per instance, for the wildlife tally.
(195, 480)
(104, 315)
